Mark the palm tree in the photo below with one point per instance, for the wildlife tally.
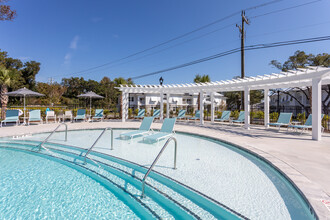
(5, 81)
(201, 79)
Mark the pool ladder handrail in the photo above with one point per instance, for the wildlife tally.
(156, 159)
(104, 130)
(66, 135)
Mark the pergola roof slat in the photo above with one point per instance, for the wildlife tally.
(299, 77)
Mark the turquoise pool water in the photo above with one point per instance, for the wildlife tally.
(33, 187)
(239, 181)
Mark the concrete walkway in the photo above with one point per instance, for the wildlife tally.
(304, 161)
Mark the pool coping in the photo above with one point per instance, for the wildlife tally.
(310, 191)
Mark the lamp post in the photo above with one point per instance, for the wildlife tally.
(161, 80)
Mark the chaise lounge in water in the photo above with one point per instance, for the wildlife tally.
(165, 131)
(144, 129)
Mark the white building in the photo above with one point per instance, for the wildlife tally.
(290, 99)
(177, 101)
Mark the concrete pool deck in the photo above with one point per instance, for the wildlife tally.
(304, 161)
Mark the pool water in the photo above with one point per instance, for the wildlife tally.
(33, 187)
(224, 173)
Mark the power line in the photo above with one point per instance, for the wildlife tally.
(226, 53)
(285, 9)
(175, 38)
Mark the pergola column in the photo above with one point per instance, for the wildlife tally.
(124, 103)
(201, 107)
(266, 107)
(212, 107)
(247, 107)
(168, 105)
(161, 106)
(316, 109)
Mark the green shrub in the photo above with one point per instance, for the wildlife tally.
(273, 116)
(136, 111)
(234, 114)
(130, 111)
(301, 117)
(260, 115)
(218, 114)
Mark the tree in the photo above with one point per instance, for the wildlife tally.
(233, 100)
(52, 91)
(121, 81)
(300, 60)
(5, 81)
(29, 72)
(201, 79)
(6, 13)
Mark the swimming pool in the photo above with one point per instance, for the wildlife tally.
(233, 180)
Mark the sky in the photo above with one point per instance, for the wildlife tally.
(71, 36)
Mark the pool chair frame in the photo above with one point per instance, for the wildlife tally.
(224, 117)
(181, 114)
(240, 119)
(143, 130)
(50, 115)
(141, 114)
(11, 118)
(156, 113)
(196, 117)
(80, 116)
(98, 115)
(67, 115)
(306, 126)
(283, 120)
(35, 116)
(165, 131)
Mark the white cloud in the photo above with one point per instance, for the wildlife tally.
(67, 58)
(24, 58)
(74, 43)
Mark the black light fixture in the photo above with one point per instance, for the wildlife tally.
(161, 80)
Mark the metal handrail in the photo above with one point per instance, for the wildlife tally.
(66, 135)
(89, 150)
(156, 159)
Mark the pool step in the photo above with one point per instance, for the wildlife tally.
(173, 195)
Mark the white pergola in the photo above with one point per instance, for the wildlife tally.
(310, 76)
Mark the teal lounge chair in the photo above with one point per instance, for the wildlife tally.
(156, 113)
(144, 129)
(240, 119)
(140, 114)
(196, 117)
(11, 116)
(165, 131)
(181, 114)
(307, 125)
(98, 114)
(224, 117)
(81, 115)
(283, 120)
(34, 115)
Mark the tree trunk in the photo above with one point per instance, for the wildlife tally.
(4, 100)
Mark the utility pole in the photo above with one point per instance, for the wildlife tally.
(242, 32)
